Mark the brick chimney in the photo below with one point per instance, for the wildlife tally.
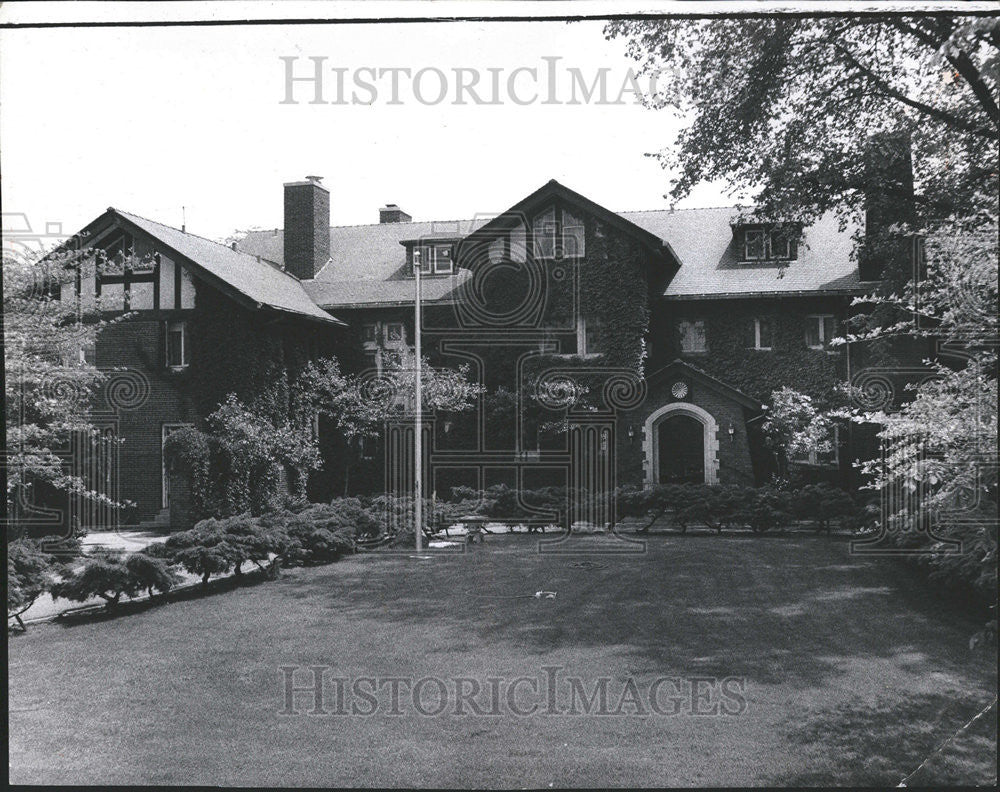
(390, 213)
(307, 227)
(888, 190)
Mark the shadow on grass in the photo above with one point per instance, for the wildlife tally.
(775, 612)
(858, 745)
(99, 613)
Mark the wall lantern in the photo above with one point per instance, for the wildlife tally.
(631, 432)
(732, 431)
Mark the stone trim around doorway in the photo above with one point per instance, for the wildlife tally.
(710, 434)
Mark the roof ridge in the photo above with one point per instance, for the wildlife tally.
(474, 219)
(364, 225)
(258, 258)
(672, 209)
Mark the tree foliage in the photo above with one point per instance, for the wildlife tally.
(783, 107)
(793, 427)
(30, 572)
(787, 109)
(49, 383)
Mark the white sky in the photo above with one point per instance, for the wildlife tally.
(152, 119)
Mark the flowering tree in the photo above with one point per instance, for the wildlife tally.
(942, 446)
(359, 405)
(49, 382)
(793, 427)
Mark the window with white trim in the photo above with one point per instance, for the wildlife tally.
(421, 261)
(692, 335)
(759, 334)
(441, 258)
(177, 345)
(433, 259)
(820, 330)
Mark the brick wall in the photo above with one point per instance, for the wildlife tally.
(733, 456)
(144, 397)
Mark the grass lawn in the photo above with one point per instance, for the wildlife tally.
(853, 674)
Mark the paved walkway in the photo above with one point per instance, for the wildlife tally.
(125, 540)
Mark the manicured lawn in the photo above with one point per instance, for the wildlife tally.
(853, 674)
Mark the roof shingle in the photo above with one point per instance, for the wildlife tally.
(257, 280)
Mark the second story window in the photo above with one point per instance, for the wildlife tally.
(767, 244)
(589, 332)
(572, 235)
(559, 233)
(692, 335)
(759, 334)
(544, 229)
(177, 345)
(368, 333)
(820, 330)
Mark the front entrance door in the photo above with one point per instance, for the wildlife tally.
(681, 448)
(165, 432)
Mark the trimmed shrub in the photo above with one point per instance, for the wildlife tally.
(322, 533)
(204, 550)
(30, 572)
(823, 504)
(767, 509)
(111, 575)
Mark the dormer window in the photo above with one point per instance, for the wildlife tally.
(754, 245)
(766, 244)
(558, 233)
(433, 259)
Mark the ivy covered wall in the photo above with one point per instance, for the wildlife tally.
(755, 372)
(250, 353)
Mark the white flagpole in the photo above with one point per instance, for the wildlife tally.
(418, 411)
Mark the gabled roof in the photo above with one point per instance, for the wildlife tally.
(695, 373)
(241, 274)
(710, 265)
(367, 264)
(553, 190)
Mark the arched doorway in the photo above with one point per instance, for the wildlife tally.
(672, 447)
(681, 450)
